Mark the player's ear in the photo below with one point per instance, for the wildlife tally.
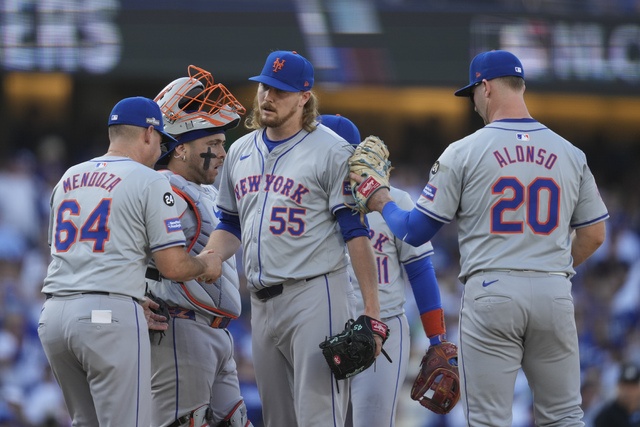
(148, 134)
(304, 98)
(180, 150)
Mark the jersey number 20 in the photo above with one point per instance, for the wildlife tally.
(94, 228)
(529, 198)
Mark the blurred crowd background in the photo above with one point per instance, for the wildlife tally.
(38, 143)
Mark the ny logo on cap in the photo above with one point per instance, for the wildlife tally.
(278, 64)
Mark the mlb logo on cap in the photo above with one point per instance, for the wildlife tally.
(287, 71)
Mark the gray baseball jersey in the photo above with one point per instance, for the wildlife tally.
(107, 216)
(516, 190)
(194, 345)
(520, 181)
(391, 253)
(286, 204)
(374, 392)
(286, 200)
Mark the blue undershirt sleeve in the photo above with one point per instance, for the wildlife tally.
(230, 223)
(413, 227)
(422, 277)
(350, 224)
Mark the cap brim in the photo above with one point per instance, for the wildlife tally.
(465, 91)
(270, 81)
(166, 137)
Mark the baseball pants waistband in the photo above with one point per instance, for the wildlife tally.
(514, 270)
(49, 296)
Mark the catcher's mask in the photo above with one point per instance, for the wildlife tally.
(197, 103)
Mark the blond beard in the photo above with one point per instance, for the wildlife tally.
(278, 120)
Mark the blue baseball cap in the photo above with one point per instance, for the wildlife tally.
(142, 112)
(342, 126)
(286, 70)
(491, 65)
(183, 138)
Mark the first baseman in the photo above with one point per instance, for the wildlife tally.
(528, 212)
(109, 216)
(282, 195)
(194, 381)
(376, 391)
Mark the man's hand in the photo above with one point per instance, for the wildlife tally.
(212, 266)
(378, 199)
(155, 322)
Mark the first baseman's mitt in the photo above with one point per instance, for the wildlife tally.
(354, 349)
(437, 386)
(370, 160)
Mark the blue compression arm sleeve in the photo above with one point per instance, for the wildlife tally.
(413, 227)
(424, 284)
(230, 223)
(350, 224)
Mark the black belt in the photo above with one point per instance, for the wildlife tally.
(152, 274)
(269, 292)
(180, 421)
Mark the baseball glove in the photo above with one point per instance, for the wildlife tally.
(354, 349)
(437, 386)
(370, 160)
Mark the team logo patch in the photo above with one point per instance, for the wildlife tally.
(173, 225)
(523, 137)
(153, 121)
(429, 192)
(336, 359)
(435, 168)
(346, 188)
(168, 199)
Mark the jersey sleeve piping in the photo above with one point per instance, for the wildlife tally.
(433, 215)
(593, 221)
(227, 211)
(168, 245)
(418, 257)
(336, 208)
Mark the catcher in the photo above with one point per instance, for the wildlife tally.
(372, 403)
